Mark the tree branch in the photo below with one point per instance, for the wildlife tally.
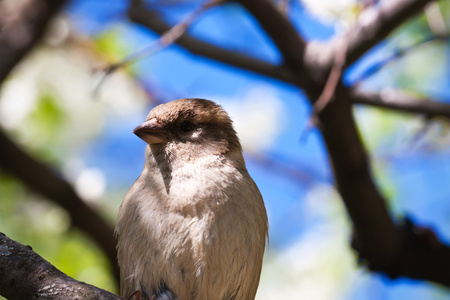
(288, 41)
(165, 40)
(423, 257)
(375, 24)
(381, 242)
(26, 275)
(19, 37)
(366, 207)
(402, 102)
(150, 19)
(45, 182)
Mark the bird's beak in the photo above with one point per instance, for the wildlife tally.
(151, 132)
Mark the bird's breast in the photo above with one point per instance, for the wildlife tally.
(201, 185)
(198, 237)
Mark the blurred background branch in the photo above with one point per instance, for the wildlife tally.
(378, 24)
(140, 14)
(22, 27)
(402, 102)
(41, 179)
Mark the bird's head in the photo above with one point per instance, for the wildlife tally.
(193, 126)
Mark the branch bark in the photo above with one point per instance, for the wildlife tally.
(26, 275)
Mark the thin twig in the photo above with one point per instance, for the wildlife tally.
(328, 91)
(372, 70)
(418, 135)
(165, 40)
(296, 173)
(151, 20)
(333, 79)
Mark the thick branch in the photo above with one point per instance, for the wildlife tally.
(423, 256)
(367, 208)
(153, 21)
(17, 38)
(45, 182)
(373, 25)
(377, 23)
(290, 44)
(26, 275)
(381, 243)
(402, 102)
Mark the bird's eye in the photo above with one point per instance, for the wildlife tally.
(187, 126)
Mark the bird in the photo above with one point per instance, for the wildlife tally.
(194, 225)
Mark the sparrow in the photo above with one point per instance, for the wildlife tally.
(193, 226)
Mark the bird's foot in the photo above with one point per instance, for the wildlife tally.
(139, 295)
